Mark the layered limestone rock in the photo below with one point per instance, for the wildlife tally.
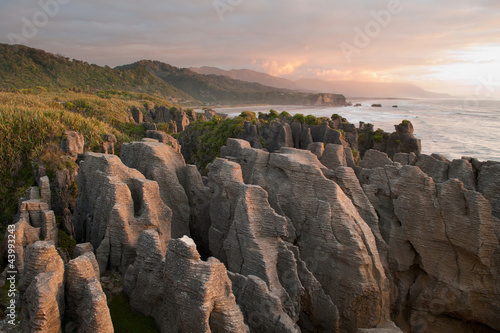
(246, 236)
(33, 221)
(349, 183)
(182, 292)
(489, 185)
(25, 236)
(336, 244)
(144, 280)
(72, 144)
(463, 171)
(175, 116)
(164, 138)
(324, 133)
(42, 289)
(279, 136)
(162, 164)
(114, 204)
(198, 293)
(333, 156)
(403, 140)
(108, 146)
(301, 134)
(251, 134)
(137, 115)
(436, 166)
(199, 197)
(86, 302)
(44, 185)
(374, 159)
(444, 252)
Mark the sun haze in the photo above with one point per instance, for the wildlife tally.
(446, 46)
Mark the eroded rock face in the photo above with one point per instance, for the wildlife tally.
(463, 171)
(328, 231)
(374, 158)
(25, 236)
(164, 138)
(435, 166)
(72, 144)
(144, 279)
(489, 186)
(42, 289)
(246, 235)
(334, 156)
(108, 146)
(162, 164)
(349, 183)
(195, 286)
(137, 115)
(443, 249)
(280, 135)
(182, 292)
(114, 204)
(199, 197)
(86, 302)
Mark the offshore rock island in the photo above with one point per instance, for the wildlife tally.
(296, 224)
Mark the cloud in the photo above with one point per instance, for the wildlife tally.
(294, 38)
(276, 69)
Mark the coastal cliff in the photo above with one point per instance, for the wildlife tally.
(299, 236)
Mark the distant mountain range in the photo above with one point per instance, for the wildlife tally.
(347, 88)
(249, 76)
(23, 67)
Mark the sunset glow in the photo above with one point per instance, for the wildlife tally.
(446, 46)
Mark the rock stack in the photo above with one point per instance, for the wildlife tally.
(274, 240)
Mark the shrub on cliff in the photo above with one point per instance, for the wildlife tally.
(25, 132)
(204, 139)
(32, 125)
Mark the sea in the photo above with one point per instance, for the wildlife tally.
(453, 128)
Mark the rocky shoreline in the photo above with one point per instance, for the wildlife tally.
(296, 227)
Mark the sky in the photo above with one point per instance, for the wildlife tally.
(449, 46)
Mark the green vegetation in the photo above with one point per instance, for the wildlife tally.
(207, 138)
(312, 120)
(222, 89)
(285, 115)
(65, 242)
(398, 142)
(336, 116)
(32, 126)
(378, 137)
(405, 122)
(299, 117)
(249, 116)
(30, 69)
(355, 153)
(362, 138)
(126, 320)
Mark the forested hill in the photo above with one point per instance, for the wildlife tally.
(219, 89)
(23, 67)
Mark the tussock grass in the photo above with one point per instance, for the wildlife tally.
(31, 124)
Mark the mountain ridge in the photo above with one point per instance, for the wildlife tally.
(215, 89)
(22, 67)
(347, 88)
